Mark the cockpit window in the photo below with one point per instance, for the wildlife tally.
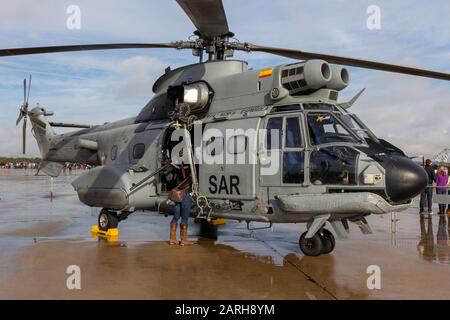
(351, 122)
(324, 128)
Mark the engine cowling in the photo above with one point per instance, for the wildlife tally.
(307, 76)
(312, 75)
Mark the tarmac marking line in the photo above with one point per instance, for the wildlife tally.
(309, 278)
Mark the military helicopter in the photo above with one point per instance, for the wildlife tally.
(317, 162)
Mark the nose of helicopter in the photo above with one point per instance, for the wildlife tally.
(404, 179)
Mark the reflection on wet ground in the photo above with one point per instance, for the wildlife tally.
(41, 235)
(431, 247)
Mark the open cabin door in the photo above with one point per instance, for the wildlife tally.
(232, 145)
(144, 148)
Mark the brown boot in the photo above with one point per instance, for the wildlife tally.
(173, 234)
(183, 233)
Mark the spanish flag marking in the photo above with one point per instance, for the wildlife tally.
(265, 73)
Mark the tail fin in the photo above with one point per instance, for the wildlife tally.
(42, 130)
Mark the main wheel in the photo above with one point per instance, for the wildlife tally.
(328, 241)
(311, 246)
(107, 220)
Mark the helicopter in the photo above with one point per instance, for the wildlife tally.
(270, 146)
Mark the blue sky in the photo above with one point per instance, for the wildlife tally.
(95, 87)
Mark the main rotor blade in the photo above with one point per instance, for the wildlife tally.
(87, 47)
(297, 54)
(208, 16)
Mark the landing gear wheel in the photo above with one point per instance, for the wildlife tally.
(312, 246)
(107, 220)
(328, 241)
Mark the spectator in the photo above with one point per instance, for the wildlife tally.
(441, 186)
(427, 194)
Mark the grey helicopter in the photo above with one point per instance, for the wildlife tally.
(307, 157)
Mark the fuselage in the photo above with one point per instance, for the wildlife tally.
(322, 158)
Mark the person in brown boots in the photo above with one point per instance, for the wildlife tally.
(183, 201)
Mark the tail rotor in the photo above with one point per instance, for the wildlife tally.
(23, 113)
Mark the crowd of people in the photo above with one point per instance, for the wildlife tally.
(19, 165)
(68, 167)
(437, 179)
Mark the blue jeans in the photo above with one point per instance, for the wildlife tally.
(182, 210)
(428, 193)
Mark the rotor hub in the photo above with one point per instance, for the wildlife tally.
(217, 48)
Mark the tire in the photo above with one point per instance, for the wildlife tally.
(310, 247)
(328, 241)
(107, 220)
(208, 230)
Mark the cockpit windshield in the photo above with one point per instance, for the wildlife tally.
(325, 128)
(339, 132)
(351, 121)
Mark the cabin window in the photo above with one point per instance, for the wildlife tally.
(114, 152)
(293, 167)
(138, 150)
(287, 138)
(214, 146)
(274, 133)
(293, 137)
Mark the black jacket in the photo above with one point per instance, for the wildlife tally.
(430, 172)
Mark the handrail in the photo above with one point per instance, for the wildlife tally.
(138, 184)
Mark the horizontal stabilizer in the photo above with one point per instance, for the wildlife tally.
(70, 125)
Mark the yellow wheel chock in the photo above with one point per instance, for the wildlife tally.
(218, 221)
(111, 235)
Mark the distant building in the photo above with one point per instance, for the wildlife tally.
(442, 157)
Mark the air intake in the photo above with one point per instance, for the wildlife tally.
(339, 78)
(305, 77)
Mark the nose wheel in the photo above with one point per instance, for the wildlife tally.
(323, 242)
(107, 220)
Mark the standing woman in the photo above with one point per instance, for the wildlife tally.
(441, 186)
(448, 188)
(183, 201)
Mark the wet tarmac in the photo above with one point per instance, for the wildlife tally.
(44, 229)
